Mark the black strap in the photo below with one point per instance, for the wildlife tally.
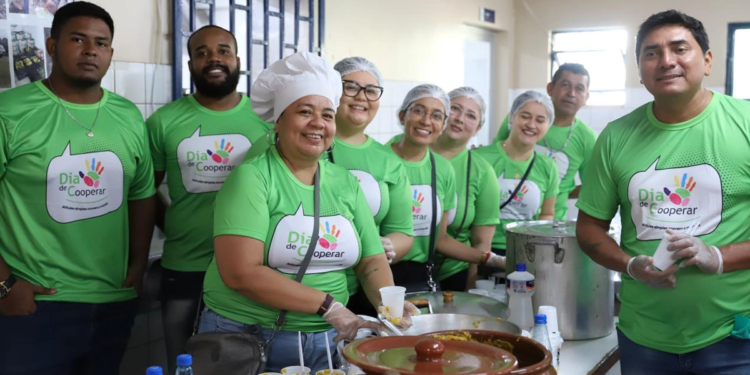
(468, 180)
(311, 249)
(330, 154)
(433, 223)
(523, 179)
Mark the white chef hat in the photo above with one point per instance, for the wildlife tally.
(291, 78)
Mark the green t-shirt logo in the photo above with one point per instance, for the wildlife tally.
(206, 161)
(560, 158)
(417, 200)
(421, 207)
(329, 236)
(78, 188)
(524, 204)
(674, 198)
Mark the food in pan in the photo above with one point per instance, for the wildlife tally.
(466, 336)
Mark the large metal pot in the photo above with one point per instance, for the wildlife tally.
(429, 323)
(581, 290)
(460, 303)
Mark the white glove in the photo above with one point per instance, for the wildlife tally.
(346, 322)
(642, 269)
(390, 252)
(695, 252)
(496, 261)
(405, 321)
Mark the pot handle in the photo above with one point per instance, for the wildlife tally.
(531, 250)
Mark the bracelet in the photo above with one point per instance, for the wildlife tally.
(326, 305)
(720, 270)
(485, 258)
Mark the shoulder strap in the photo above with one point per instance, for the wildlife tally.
(468, 181)
(523, 179)
(433, 224)
(311, 249)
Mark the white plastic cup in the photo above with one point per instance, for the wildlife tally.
(296, 370)
(662, 256)
(328, 372)
(551, 312)
(487, 285)
(393, 299)
(480, 292)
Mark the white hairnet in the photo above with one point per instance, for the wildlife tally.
(426, 91)
(532, 96)
(474, 95)
(291, 78)
(351, 65)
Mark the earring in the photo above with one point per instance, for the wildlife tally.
(269, 136)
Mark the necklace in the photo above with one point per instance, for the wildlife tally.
(551, 151)
(90, 132)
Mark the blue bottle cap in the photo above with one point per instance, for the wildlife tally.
(154, 370)
(184, 360)
(521, 267)
(540, 319)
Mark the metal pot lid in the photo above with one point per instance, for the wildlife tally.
(546, 228)
(409, 355)
(463, 303)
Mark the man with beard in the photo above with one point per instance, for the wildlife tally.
(197, 140)
(76, 208)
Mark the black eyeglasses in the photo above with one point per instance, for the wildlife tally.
(372, 92)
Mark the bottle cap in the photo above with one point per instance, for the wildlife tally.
(521, 267)
(154, 370)
(540, 319)
(184, 360)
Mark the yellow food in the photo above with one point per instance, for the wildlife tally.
(466, 336)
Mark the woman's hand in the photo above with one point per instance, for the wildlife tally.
(346, 322)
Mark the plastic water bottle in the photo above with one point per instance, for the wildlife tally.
(540, 334)
(154, 370)
(184, 361)
(520, 290)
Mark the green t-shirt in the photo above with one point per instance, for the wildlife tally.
(383, 180)
(262, 199)
(543, 183)
(484, 200)
(669, 176)
(419, 174)
(574, 157)
(198, 148)
(64, 196)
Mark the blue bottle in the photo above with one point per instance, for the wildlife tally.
(154, 370)
(184, 363)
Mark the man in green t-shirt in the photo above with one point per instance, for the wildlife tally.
(197, 140)
(677, 168)
(569, 141)
(76, 208)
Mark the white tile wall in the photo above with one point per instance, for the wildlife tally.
(130, 81)
(137, 81)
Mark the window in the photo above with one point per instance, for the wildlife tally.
(602, 53)
(266, 31)
(738, 59)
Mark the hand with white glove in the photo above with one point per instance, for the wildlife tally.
(405, 321)
(390, 252)
(496, 261)
(695, 252)
(642, 269)
(346, 322)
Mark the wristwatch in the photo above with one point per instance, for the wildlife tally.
(326, 305)
(6, 285)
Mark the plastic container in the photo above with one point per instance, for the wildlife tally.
(520, 290)
(539, 333)
(487, 285)
(662, 256)
(555, 337)
(296, 370)
(184, 363)
(393, 299)
(154, 370)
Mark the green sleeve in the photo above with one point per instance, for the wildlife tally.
(142, 185)
(369, 238)
(449, 200)
(503, 132)
(553, 179)
(156, 141)
(399, 217)
(598, 196)
(488, 200)
(241, 207)
(4, 157)
(588, 148)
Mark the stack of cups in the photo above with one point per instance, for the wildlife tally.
(555, 338)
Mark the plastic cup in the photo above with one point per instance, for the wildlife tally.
(662, 256)
(480, 292)
(296, 370)
(551, 312)
(393, 299)
(486, 285)
(328, 372)
(502, 297)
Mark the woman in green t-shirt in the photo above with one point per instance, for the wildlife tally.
(263, 225)
(423, 114)
(528, 182)
(474, 219)
(381, 175)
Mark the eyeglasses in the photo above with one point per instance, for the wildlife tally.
(457, 111)
(372, 92)
(420, 111)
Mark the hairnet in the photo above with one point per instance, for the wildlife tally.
(351, 65)
(532, 96)
(426, 91)
(474, 95)
(291, 78)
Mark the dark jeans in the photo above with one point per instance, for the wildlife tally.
(455, 282)
(181, 293)
(727, 357)
(65, 338)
